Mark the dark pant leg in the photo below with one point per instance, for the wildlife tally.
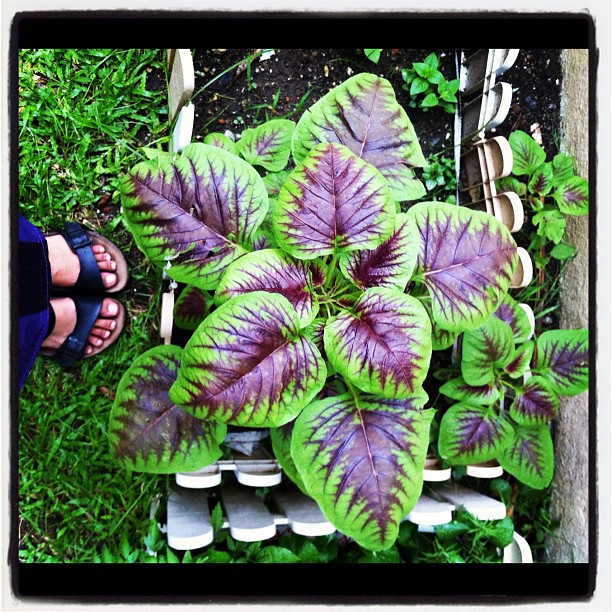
(33, 289)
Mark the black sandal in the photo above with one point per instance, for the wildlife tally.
(89, 281)
(87, 312)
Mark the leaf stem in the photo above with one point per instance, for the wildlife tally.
(329, 273)
(352, 390)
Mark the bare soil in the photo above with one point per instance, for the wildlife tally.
(234, 93)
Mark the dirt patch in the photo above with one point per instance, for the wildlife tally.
(235, 91)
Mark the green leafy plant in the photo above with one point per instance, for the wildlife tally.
(427, 86)
(550, 189)
(508, 393)
(323, 303)
(440, 179)
(465, 539)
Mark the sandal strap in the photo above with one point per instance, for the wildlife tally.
(90, 278)
(73, 348)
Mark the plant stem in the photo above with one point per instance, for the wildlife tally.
(329, 273)
(351, 388)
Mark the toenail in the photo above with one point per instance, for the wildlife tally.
(112, 308)
(113, 325)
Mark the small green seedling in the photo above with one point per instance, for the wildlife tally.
(428, 87)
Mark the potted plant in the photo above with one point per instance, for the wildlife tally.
(325, 293)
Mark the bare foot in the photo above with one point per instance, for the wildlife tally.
(65, 266)
(65, 322)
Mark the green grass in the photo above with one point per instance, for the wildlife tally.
(80, 114)
(83, 115)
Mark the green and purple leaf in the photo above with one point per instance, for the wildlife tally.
(562, 357)
(361, 458)
(314, 332)
(191, 307)
(200, 211)
(441, 339)
(217, 139)
(268, 145)
(472, 434)
(364, 115)
(263, 238)
(390, 264)
(248, 364)
(535, 403)
(572, 197)
(520, 360)
(332, 202)
(511, 183)
(512, 313)
(384, 345)
(459, 390)
(530, 456)
(150, 433)
(280, 437)
(541, 180)
(563, 168)
(273, 271)
(527, 154)
(485, 351)
(274, 181)
(466, 259)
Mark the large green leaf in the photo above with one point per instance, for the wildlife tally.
(472, 434)
(147, 431)
(361, 458)
(562, 357)
(273, 271)
(332, 202)
(466, 259)
(530, 456)
(527, 154)
(268, 145)
(363, 114)
(572, 196)
(486, 351)
(384, 345)
(249, 364)
(458, 389)
(198, 212)
(390, 264)
(535, 403)
(280, 437)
